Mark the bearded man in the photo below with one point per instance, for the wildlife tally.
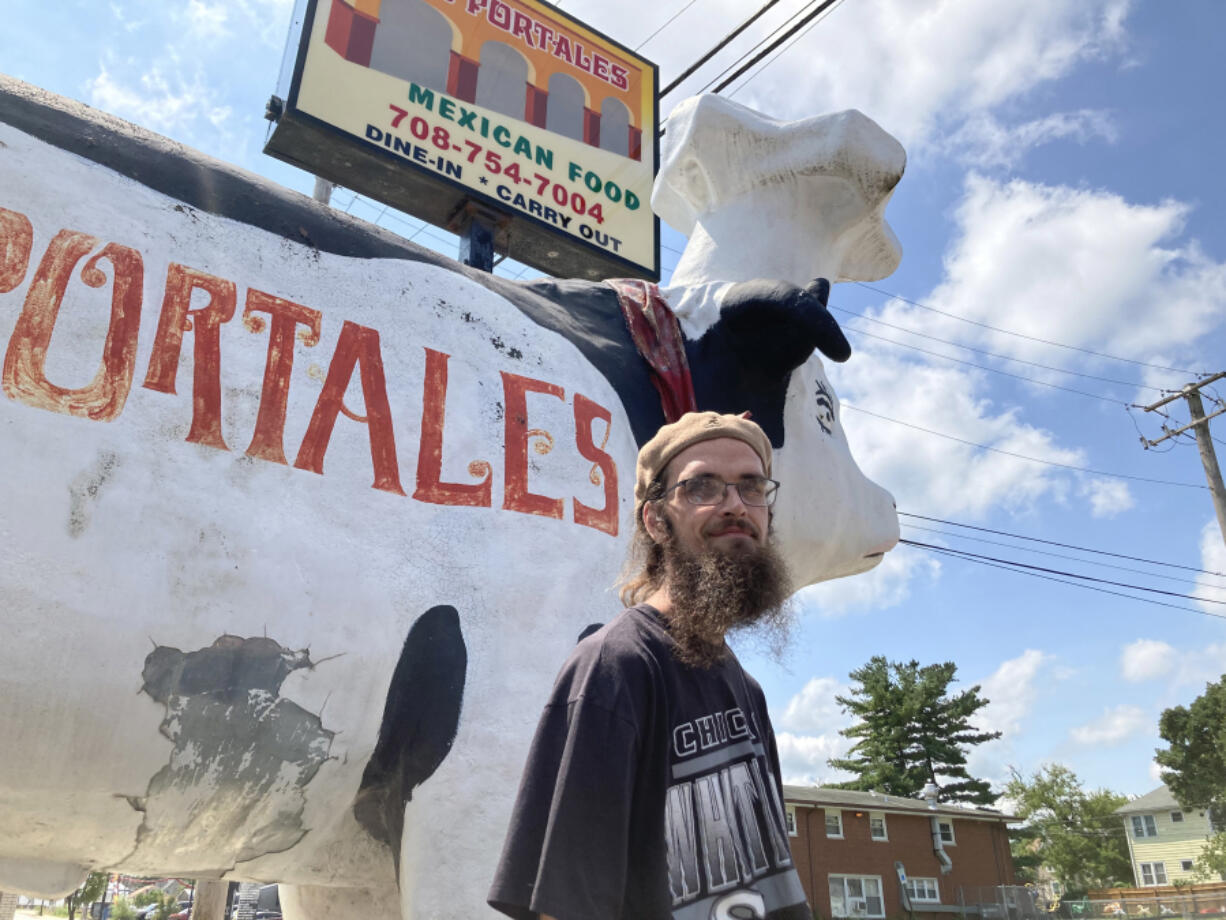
(652, 788)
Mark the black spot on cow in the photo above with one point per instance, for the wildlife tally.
(241, 753)
(419, 726)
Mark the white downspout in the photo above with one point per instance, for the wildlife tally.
(938, 846)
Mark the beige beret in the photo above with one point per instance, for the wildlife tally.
(688, 430)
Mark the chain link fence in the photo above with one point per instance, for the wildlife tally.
(1191, 906)
(1002, 902)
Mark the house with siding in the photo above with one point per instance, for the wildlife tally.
(1164, 839)
(846, 843)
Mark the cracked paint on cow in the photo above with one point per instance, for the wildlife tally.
(233, 788)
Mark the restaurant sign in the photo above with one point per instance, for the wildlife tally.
(429, 105)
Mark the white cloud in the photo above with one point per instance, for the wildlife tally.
(809, 732)
(887, 585)
(207, 21)
(984, 142)
(802, 758)
(160, 101)
(1202, 665)
(1114, 726)
(1155, 772)
(814, 710)
(1212, 559)
(1011, 691)
(1108, 497)
(929, 474)
(1078, 266)
(913, 66)
(1147, 659)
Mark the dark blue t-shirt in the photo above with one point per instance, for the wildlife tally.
(651, 792)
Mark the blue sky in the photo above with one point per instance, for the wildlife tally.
(1063, 182)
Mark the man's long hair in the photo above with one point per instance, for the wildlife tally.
(644, 569)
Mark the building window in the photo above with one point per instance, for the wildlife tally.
(876, 826)
(947, 831)
(791, 819)
(924, 889)
(1144, 826)
(1153, 873)
(834, 824)
(1176, 817)
(1185, 865)
(856, 896)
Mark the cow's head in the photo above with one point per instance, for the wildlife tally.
(788, 202)
(762, 356)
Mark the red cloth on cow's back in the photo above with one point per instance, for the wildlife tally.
(657, 336)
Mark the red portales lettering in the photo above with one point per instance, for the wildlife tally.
(357, 349)
(357, 345)
(516, 496)
(16, 240)
(268, 441)
(205, 325)
(24, 375)
(430, 487)
(600, 518)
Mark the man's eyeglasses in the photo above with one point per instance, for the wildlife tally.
(710, 490)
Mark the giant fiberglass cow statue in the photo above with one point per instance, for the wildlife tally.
(299, 520)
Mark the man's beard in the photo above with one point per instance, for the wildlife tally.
(713, 593)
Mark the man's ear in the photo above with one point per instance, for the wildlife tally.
(653, 521)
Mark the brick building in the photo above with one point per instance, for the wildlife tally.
(845, 845)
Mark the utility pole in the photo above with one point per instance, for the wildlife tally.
(1200, 422)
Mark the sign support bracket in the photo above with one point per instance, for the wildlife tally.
(480, 228)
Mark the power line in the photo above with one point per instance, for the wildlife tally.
(992, 354)
(815, 12)
(1084, 549)
(1042, 552)
(982, 367)
(718, 47)
(1039, 568)
(1077, 584)
(762, 41)
(781, 53)
(1009, 453)
(665, 26)
(1021, 335)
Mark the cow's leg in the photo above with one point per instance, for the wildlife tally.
(316, 902)
(209, 899)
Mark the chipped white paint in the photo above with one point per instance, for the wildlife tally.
(120, 532)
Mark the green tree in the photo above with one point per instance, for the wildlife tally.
(148, 895)
(1074, 833)
(1195, 767)
(911, 731)
(1210, 865)
(1195, 761)
(89, 892)
(123, 910)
